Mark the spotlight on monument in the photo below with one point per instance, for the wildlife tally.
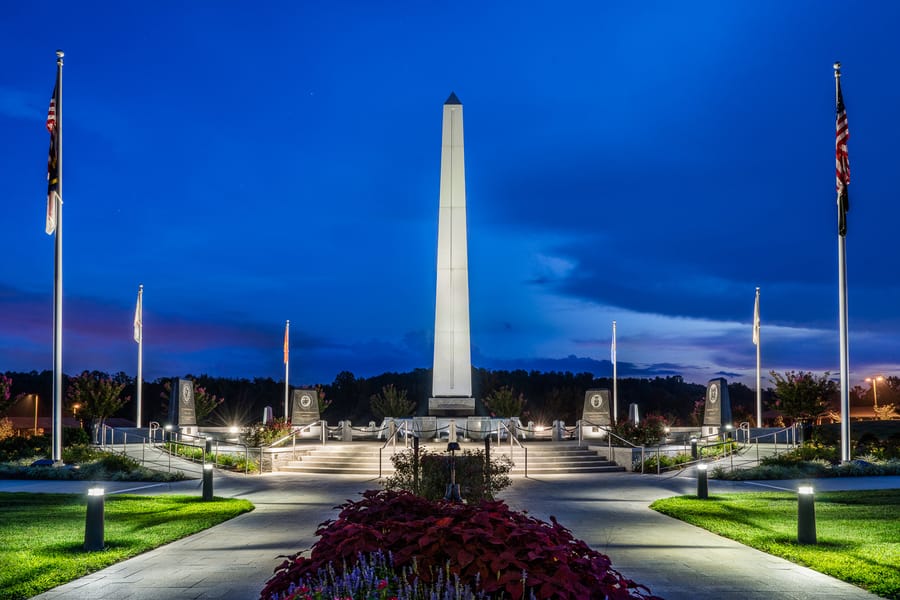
(702, 483)
(93, 523)
(806, 515)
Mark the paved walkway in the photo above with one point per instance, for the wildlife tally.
(677, 561)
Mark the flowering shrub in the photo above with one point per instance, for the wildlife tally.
(489, 547)
(374, 576)
(263, 435)
(646, 432)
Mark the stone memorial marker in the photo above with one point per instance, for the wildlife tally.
(182, 412)
(304, 407)
(717, 410)
(596, 407)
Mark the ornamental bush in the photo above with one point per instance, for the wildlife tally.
(434, 474)
(496, 551)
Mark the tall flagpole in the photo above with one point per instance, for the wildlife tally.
(615, 418)
(287, 352)
(843, 171)
(139, 338)
(57, 279)
(756, 341)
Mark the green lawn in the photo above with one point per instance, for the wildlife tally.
(43, 534)
(858, 533)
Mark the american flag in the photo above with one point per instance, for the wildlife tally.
(842, 162)
(53, 162)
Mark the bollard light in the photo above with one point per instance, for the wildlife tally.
(207, 482)
(702, 482)
(207, 446)
(806, 515)
(694, 455)
(93, 522)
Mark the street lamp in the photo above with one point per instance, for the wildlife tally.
(874, 381)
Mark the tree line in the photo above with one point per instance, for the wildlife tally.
(543, 396)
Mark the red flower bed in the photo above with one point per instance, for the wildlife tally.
(500, 546)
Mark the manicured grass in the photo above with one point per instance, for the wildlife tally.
(43, 534)
(858, 533)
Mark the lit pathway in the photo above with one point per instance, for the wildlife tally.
(677, 561)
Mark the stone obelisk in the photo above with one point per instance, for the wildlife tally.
(451, 388)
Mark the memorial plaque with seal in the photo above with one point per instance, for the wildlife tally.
(304, 407)
(596, 407)
(182, 411)
(717, 410)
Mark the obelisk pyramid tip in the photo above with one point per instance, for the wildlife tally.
(453, 99)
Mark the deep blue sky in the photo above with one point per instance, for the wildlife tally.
(646, 162)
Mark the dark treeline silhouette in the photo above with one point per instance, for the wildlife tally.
(549, 396)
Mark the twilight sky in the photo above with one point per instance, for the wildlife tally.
(650, 163)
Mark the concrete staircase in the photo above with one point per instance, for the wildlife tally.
(361, 458)
(560, 458)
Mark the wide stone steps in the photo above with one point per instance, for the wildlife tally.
(362, 459)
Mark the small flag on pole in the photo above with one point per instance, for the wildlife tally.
(286, 346)
(53, 162)
(612, 348)
(842, 162)
(756, 320)
(139, 318)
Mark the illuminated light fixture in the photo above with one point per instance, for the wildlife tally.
(805, 489)
(702, 467)
(95, 492)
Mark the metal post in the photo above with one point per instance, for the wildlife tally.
(207, 482)
(806, 515)
(702, 483)
(694, 453)
(93, 523)
(415, 465)
(487, 467)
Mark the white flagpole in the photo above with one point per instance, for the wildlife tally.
(615, 378)
(756, 340)
(139, 338)
(57, 281)
(842, 308)
(287, 360)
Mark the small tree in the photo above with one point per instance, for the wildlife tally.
(98, 395)
(6, 400)
(802, 395)
(503, 402)
(392, 402)
(204, 402)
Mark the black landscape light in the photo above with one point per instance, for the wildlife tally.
(702, 482)
(93, 523)
(207, 482)
(806, 515)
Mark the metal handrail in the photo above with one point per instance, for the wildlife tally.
(215, 452)
(513, 438)
(393, 438)
(609, 435)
